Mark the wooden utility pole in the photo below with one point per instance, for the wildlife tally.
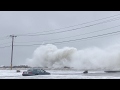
(12, 49)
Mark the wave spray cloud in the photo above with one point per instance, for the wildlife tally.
(90, 58)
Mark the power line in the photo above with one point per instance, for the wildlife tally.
(75, 28)
(90, 37)
(76, 39)
(4, 38)
(6, 46)
(73, 25)
(91, 21)
(76, 35)
(5, 43)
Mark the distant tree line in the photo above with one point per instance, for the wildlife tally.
(18, 66)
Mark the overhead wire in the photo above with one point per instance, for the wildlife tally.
(5, 43)
(5, 46)
(36, 34)
(111, 33)
(114, 19)
(75, 35)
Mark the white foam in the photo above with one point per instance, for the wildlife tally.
(90, 58)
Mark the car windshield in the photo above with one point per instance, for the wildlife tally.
(42, 70)
(30, 69)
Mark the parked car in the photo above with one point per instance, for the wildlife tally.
(35, 71)
(85, 72)
(111, 71)
(17, 70)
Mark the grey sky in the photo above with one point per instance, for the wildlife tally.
(22, 22)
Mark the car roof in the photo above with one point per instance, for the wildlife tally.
(35, 69)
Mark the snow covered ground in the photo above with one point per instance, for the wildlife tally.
(60, 74)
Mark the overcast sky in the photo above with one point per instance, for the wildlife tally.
(24, 22)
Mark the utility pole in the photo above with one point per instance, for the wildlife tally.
(12, 49)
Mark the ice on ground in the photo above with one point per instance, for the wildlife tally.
(60, 74)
